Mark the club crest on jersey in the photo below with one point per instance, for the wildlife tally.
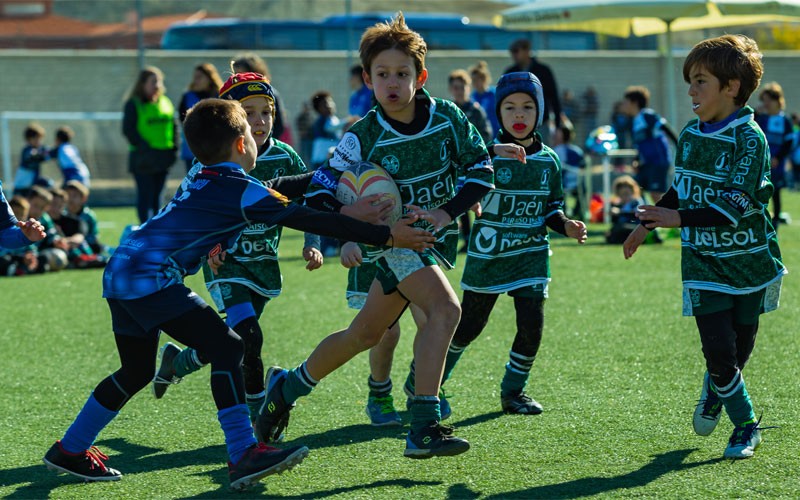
(723, 163)
(391, 164)
(476, 139)
(545, 177)
(687, 150)
(503, 175)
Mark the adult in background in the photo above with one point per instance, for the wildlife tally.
(361, 96)
(205, 83)
(148, 123)
(520, 51)
(250, 62)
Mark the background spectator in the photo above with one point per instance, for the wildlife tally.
(148, 123)
(361, 98)
(520, 51)
(483, 92)
(31, 158)
(205, 83)
(69, 158)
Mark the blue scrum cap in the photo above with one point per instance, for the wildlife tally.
(525, 82)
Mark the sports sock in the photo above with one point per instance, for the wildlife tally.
(92, 418)
(254, 403)
(187, 361)
(454, 353)
(410, 380)
(424, 411)
(379, 389)
(517, 370)
(737, 401)
(235, 423)
(298, 383)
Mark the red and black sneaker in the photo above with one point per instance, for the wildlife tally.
(87, 465)
(260, 461)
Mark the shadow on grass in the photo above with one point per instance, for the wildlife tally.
(262, 490)
(362, 433)
(662, 464)
(37, 482)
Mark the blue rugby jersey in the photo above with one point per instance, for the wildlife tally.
(10, 235)
(649, 138)
(205, 217)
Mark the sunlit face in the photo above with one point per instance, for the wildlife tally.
(152, 85)
(479, 82)
(250, 153)
(200, 81)
(260, 116)
(771, 106)
(710, 102)
(394, 80)
(56, 207)
(459, 90)
(38, 207)
(518, 114)
(625, 193)
(74, 200)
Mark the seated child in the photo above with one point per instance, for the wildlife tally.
(77, 196)
(627, 196)
(22, 260)
(69, 158)
(30, 162)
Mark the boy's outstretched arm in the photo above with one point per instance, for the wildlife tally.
(345, 228)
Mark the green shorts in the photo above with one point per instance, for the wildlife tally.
(746, 308)
(397, 264)
(226, 294)
(537, 291)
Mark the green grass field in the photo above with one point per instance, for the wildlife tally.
(618, 373)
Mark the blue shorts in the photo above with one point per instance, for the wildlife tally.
(143, 317)
(653, 178)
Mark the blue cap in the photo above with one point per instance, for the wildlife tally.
(521, 81)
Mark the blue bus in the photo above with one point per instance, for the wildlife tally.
(440, 31)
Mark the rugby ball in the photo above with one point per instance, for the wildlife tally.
(365, 179)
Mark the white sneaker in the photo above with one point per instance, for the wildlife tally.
(708, 410)
(743, 442)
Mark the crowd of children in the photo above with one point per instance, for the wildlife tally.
(513, 181)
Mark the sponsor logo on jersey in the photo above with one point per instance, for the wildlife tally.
(283, 200)
(725, 239)
(687, 150)
(722, 164)
(503, 175)
(486, 240)
(391, 164)
(546, 177)
(430, 194)
(325, 178)
(738, 199)
(752, 147)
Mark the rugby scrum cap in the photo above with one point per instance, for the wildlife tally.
(243, 86)
(520, 81)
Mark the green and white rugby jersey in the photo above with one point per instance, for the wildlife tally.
(425, 166)
(509, 244)
(253, 262)
(728, 170)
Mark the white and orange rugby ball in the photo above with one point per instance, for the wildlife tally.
(365, 179)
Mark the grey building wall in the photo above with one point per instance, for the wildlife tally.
(76, 80)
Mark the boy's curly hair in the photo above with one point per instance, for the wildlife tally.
(729, 57)
(394, 34)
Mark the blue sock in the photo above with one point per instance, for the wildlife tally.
(235, 423)
(92, 418)
(298, 383)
